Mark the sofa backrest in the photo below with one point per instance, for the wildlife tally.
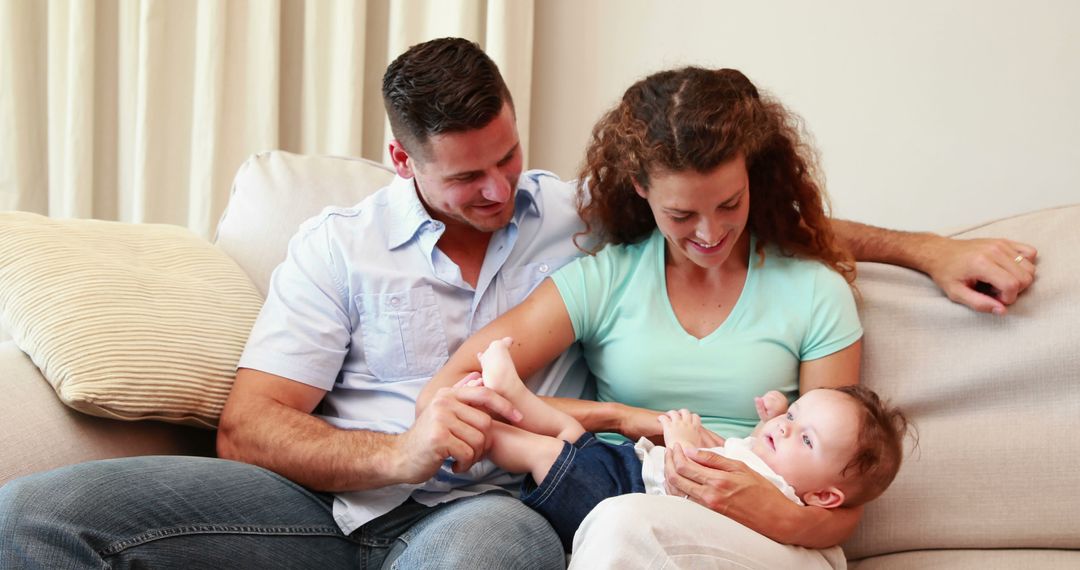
(274, 192)
(996, 401)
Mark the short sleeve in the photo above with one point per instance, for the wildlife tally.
(303, 330)
(586, 286)
(834, 318)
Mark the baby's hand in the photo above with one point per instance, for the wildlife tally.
(772, 404)
(682, 427)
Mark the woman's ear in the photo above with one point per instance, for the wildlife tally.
(403, 165)
(640, 191)
(828, 498)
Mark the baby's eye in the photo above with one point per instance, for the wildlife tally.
(806, 440)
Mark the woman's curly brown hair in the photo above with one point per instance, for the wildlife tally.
(697, 119)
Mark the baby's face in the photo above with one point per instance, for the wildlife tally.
(810, 444)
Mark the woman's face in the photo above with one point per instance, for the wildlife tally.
(702, 216)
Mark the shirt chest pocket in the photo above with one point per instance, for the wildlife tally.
(402, 333)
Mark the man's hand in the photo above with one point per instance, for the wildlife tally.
(984, 274)
(455, 424)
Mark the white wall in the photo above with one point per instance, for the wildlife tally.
(928, 114)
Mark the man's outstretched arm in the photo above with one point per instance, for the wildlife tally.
(267, 421)
(985, 274)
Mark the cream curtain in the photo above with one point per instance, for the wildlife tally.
(141, 110)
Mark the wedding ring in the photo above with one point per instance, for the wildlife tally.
(1018, 258)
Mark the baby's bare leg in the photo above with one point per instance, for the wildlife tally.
(682, 427)
(500, 375)
(520, 451)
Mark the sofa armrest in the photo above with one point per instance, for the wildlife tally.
(41, 433)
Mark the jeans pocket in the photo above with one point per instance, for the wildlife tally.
(402, 332)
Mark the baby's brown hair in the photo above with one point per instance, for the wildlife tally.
(879, 446)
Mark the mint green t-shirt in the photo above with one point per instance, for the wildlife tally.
(790, 310)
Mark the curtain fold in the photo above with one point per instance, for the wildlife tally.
(23, 128)
(142, 110)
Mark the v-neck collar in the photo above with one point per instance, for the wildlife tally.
(659, 253)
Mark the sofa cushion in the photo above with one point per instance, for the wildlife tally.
(996, 401)
(974, 559)
(275, 191)
(127, 321)
(40, 433)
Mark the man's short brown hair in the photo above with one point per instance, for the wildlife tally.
(441, 86)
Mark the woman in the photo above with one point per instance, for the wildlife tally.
(719, 277)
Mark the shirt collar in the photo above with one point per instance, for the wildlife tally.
(407, 214)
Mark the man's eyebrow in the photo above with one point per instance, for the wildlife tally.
(509, 154)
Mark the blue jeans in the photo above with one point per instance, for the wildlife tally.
(191, 512)
(585, 473)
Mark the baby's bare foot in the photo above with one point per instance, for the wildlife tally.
(682, 427)
(497, 368)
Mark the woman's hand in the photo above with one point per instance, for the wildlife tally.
(712, 480)
(710, 438)
(732, 489)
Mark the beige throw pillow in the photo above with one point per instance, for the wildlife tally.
(126, 321)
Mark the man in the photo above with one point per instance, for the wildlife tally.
(367, 306)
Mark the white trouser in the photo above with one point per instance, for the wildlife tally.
(650, 531)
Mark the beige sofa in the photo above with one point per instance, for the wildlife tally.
(996, 399)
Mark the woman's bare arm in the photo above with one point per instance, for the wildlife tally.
(541, 329)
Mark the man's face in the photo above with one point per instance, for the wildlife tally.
(468, 180)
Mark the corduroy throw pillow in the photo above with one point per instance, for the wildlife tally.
(126, 321)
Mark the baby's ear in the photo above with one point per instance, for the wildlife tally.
(828, 498)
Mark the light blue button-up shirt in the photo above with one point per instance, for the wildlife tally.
(366, 307)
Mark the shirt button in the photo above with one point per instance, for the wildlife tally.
(394, 301)
(543, 268)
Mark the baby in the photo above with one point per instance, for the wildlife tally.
(831, 447)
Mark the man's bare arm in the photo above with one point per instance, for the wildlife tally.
(958, 266)
(267, 421)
